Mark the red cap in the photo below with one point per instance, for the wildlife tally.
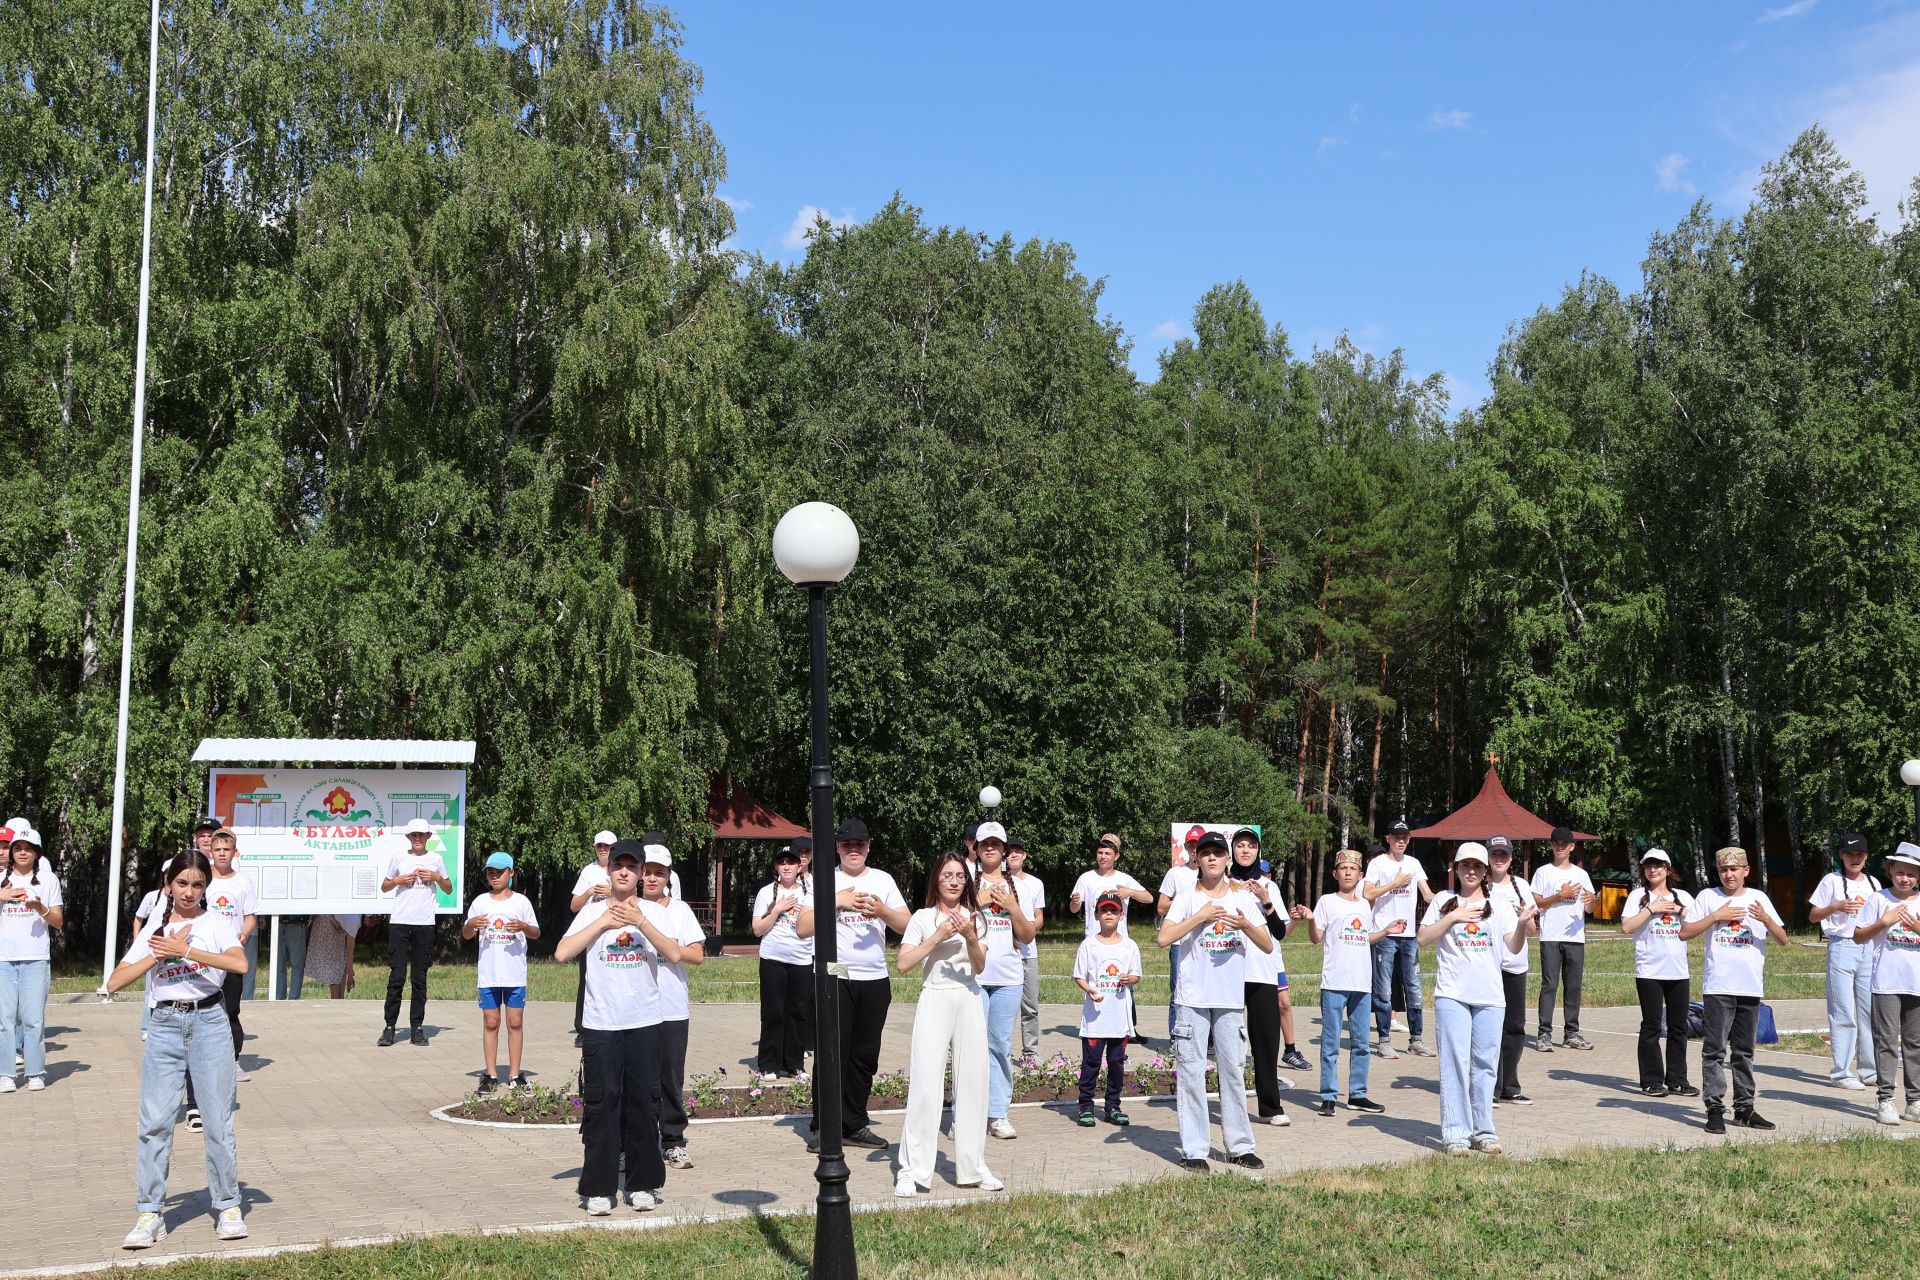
(1194, 834)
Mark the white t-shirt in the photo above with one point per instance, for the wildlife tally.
(1469, 952)
(1267, 966)
(1033, 900)
(677, 921)
(1832, 889)
(947, 964)
(1896, 951)
(1657, 949)
(1563, 921)
(623, 975)
(23, 934)
(1102, 965)
(181, 978)
(1092, 884)
(1736, 953)
(503, 953)
(594, 874)
(148, 905)
(781, 943)
(1511, 890)
(414, 903)
(232, 899)
(1177, 881)
(1213, 958)
(1004, 968)
(1346, 958)
(862, 940)
(1401, 904)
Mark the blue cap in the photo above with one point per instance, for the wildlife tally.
(498, 861)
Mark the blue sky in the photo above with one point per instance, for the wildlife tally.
(1416, 176)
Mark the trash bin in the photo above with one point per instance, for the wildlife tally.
(1612, 897)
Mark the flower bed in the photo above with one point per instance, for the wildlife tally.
(718, 1096)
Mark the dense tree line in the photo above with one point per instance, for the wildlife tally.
(464, 421)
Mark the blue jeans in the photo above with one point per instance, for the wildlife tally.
(1469, 1055)
(1389, 954)
(1173, 989)
(1349, 1007)
(1850, 1008)
(252, 948)
(292, 934)
(1003, 1014)
(1225, 1032)
(23, 1012)
(181, 1041)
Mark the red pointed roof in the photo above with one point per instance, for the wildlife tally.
(1492, 813)
(736, 815)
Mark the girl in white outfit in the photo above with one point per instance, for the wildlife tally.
(944, 940)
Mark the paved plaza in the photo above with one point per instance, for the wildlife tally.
(336, 1141)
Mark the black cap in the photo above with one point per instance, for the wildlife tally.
(1213, 839)
(1375, 849)
(1499, 843)
(970, 829)
(1398, 829)
(208, 823)
(852, 829)
(1853, 842)
(1562, 835)
(803, 844)
(651, 837)
(787, 854)
(635, 849)
(1015, 842)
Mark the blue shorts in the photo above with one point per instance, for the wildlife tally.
(503, 997)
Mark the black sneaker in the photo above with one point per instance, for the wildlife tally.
(1716, 1121)
(1247, 1160)
(1294, 1059)
(386, 1038)
(1654, 1090)
(521, 1082)
(865, 1138)
(1325, 1108)
(1117, 1117)
(1514, 1100)
(1683, 1091)
(813, 1143)
(1752, 1120)
(487, 1085)
(419, 1037)
(1365, 1104)
(1085, 1118)
(1192, 1165)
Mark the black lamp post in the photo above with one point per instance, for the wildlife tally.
(815, 545)
(1910, 774)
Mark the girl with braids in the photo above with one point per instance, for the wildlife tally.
(190, 951)
(944, 941)
(29, 907)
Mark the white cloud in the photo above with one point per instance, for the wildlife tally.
(1798, 9)
(1329, 142)
(1872, 122)
(1453, 118)
(801, 229)
(1666, 174)
(1168, 331)
(734, 203)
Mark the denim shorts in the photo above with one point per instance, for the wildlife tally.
(503, 997)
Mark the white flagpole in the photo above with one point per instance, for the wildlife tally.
(133, 516)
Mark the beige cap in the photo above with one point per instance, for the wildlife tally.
(1731, 855)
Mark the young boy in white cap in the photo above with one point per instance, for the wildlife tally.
(589, 886)
(1890, 922)
(504, 922)
(676, 920)
(416, 878)
(1737, 921)
(1837, 903)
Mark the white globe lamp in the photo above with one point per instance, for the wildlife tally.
(990, 797)
(815, 543)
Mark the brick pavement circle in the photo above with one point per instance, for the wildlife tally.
(334, 1134)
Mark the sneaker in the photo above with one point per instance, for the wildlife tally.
(1383, 1048)
(813, 1144)
(1543, 1042)
(1487, 1146)
(194, 1123)
(1001, 1128)
(1850, 1084)
(521, 1082)
(990, 1183)
(866, 1138)
(418, 1038)
(1325, 1108)
(644, 1200)
(1753, 1120)
(1577, 1041)
(1278, 1119)
(1654, 1090)
(599, 1206)
(1117, 1117)
(19, 1062)
(1683, 1091)
(1194, 1165)
(386, 1038)
(1418, 1049)
(36, 1083)
(487, 1085)
(1912, 1112)
(240, 1074)
(1296, 1060)
(1888, 1113)
(905, 1188)
(230, 1225)
(1085, 1118)
(1716, 1121)
(677, 1158)
(8, 1084)
(1366, 1104)
(1247, 1160)
(1456, 1148)
(147, 1230)
(1514, 1099)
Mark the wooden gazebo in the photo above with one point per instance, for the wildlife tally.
(735, 814)
(1492, 813)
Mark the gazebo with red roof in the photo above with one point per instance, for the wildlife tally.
(1492, 813)
(734, 814)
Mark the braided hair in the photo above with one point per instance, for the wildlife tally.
(33, 873)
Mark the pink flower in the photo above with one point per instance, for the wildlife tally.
(753, 1093)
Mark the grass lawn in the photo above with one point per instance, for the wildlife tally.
(1793, 972)
(1756, 1210)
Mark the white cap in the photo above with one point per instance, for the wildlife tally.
(606, 837)
(19, 824)
(1908, 852)
(28, 834)
(657, 854)
(990, 831)
(1656, 855)
(1471, 851)
(418, 827)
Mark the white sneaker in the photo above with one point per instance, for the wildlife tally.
(36, 1083)
(230, 1225)
(991, 1183)
(19, 1062)
(599, 1206)
(1001, 1129)
(240, 1074)
(1487, 1146)
(1282, 1120)
(8, 1084)
(1850, 1084)
(644, 1200)
(904, 1187)
(1888, 1113)
(677, 1158)
(1912, 1112)
(147, 1230)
